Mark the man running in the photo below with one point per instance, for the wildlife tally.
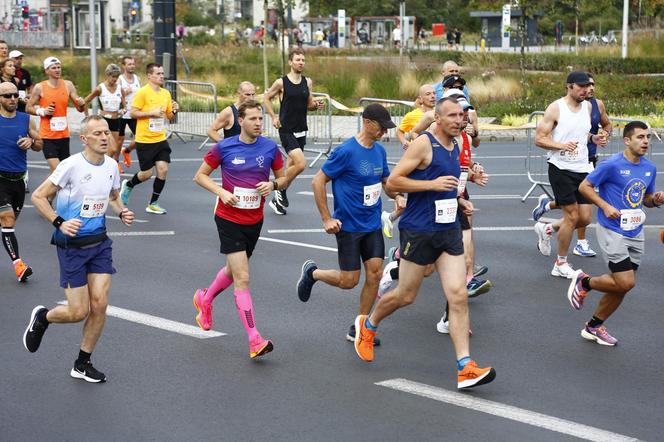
(85, 185)
(49, 100)
(17, 134)
(23, 79)
(358, 170)
(130, 84)
(245, 162)
(429, 234)
(228, 117)
(626, 183)
(294, 90)
(564, 132)
(427, 100)
(151, 106)
(598, 117)
(450, 68)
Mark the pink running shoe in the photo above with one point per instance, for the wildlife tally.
(204, 316)
(260, 347)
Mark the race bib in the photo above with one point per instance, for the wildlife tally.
(94, 206)
(463, 179)
(156, 124)
(570, 156)
(372, 194)
(631, 219)
(111, 104)
(446, 211)
(248, 198)
(21, 95)
(58, 124)
(300, 134)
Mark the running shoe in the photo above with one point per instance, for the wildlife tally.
(350, 336)
(479, 270)
(204, 316)
(387, 282)
(282, 197)
(260, 347)
(87, 372)
(276, 206)
(306, 281)
(443, 327)
(35, 331)
(543, 232)
(125, 192)
(364, 343)
(393, 254)
(576, 294)
(156, 209)
(473, 376)
(564, 270)
(477, 287)
(599, 335)
(22, 270)
(126, 157)
(582, 248)
(388, 226)
(540, 208)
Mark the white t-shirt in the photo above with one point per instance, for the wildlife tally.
(134, 86)
(396, 34)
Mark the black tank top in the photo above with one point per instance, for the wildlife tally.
(235, 129)
(293, 111)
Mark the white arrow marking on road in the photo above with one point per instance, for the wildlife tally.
(505, 411)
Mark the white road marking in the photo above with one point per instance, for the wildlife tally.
(157, 322)
(309, 193)
(299, 244)
(476, 229)
(38, 166)
(135, 219)
(296, 231)
(138, 233)
(505, 411)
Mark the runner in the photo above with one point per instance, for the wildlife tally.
(150, 106)
(450, 68)
(23, 79)
(294, 90)
(245, 162)
(86, 184)
(227, 118)
(564, 132)
(49, 100)
(17, 135)
(626, 183)
(130, 84)
(429, 233)
(358, 171)
(598, 116)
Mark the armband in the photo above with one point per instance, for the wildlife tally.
(57, 222)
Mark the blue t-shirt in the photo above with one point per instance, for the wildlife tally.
(12, 157)
(353, 169)
(623, 184)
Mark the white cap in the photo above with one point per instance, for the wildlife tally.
(450, 92)
(50, 61)
(15, 54)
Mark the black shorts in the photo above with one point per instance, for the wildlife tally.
(354, 248)
(124, 122)
(56, 148)
(593, 161)
(565, 186)
(425, 248)
(235, 237)
(12, 192)
(463, 218)
(113, 124)
(149, 153)
(289, 142)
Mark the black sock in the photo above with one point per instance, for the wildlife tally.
(10, 242)
(83, 357)
(585, 283)
(394, 273)
(157, 187)
(447, 311)
(133, 181)
(595, 322)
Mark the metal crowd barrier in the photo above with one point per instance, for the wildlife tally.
(198, 108)
(537, 167)
(397, 109)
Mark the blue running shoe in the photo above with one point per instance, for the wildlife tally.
(125, 192)
(540, 209)
(306, 281)
(582, 248)
(477, 287)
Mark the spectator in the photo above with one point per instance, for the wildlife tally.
(450, 40)
(363, 35)
(180, 31)
(423, 35)
(297, 37)
(319, 37)
(22, 79)
(396, 36)
(4, 50)
(457, 38)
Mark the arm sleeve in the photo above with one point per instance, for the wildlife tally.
(336, 164)
(213, 157)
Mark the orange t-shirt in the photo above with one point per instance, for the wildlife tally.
(54, 126)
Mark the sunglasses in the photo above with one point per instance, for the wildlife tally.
(9, 96)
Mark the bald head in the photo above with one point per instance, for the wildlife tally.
(7, 87)
(450, 68)
(427, 96)
(246, 91)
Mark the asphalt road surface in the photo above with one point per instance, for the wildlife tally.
(168, 381)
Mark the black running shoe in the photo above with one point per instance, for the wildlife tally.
(282, 197)
(35, 330)
(351, 336)
(87, 372)
(276, 206)
(306, 281)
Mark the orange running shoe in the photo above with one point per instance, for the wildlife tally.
(472, 376)
(260, 348)
(364, 339)
(22, 270)
(126, 155)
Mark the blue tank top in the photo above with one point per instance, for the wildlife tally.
(12, 158)
(595, 117)
(420, 212)
(235, 129)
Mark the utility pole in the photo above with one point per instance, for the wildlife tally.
(264, 46)
(93, 50)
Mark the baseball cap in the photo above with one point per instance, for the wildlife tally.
(50, 61)
(450, 80)
(578, 77)
(463, 101)
(453, 91)
(378, 113)
(15, 54)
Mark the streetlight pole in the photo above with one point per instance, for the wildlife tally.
(624, 27)
(402, 14)
(93, 50)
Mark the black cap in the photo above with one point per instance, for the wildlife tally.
(378, 113)
(578, 77)
(450, 80)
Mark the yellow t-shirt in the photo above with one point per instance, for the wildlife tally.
(410, 120)
(151, 130)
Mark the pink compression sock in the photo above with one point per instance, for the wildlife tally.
(221, 282)
(246, 313)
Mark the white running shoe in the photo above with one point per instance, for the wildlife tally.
(386, 282)
(543, 238)
(563, 270)
(583, 249)
(443, 326)
(388, 226)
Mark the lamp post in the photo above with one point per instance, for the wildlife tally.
(93, 50)
(402, 14)
(624, 27)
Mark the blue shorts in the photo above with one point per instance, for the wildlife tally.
(76, 264)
